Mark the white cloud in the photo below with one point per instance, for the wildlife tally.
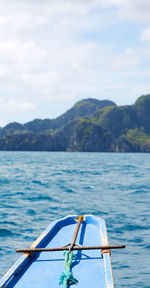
(135, 10)
(55, 51)
(127, 60)
(14, 106)
(15, 110)
(21, 51)
(145, 35)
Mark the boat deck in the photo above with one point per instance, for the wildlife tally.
(88, 266)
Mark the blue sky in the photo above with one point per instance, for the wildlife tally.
(55, 53)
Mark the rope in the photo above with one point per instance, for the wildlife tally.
(66, 277)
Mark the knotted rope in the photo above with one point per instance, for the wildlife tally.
(66, 277)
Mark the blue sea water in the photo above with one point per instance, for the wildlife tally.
(38, 187)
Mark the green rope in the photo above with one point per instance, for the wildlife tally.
(66, 277)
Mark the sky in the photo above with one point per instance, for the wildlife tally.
(54, 53)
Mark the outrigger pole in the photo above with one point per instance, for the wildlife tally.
(73, 245)
(31, 250)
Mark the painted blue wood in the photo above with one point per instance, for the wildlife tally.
(44, 269)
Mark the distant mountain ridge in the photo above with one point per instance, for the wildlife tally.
(82, 108)
(90, 125)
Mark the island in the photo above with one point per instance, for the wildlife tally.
(91, 125)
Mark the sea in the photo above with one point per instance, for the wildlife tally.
(39, 187)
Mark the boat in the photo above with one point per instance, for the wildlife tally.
(73, 250)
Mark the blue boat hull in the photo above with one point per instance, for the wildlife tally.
(43, 269)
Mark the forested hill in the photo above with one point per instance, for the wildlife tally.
(90, 125)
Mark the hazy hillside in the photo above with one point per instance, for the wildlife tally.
(90, 125)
